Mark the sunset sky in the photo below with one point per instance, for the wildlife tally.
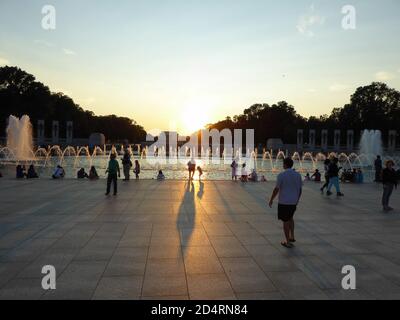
(173, 64)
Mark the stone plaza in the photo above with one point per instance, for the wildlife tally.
(178, 240)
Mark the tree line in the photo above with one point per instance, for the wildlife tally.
(374, 107)
(21, 93)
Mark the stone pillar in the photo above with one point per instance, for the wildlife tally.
(311, 139)
(392, 140)
(324, 140)
(55, 130)
(300, 139)
(336, 140)
(40, 132)
(70, 132)
(350, 140)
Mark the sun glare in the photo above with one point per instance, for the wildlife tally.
(195, 116)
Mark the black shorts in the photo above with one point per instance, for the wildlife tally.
(286, 212)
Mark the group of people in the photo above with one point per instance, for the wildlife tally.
(127, 166)
(81, 174)
(332, 170)
(353, 176)
(244, 176)
(22, 173)
(192, 169)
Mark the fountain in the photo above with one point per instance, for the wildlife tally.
(371, 144)
(19, 137)
(19, 150)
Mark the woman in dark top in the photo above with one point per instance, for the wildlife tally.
(389, 180)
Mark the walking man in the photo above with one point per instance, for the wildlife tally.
(289, 187)
(333, 173)
(113, 171)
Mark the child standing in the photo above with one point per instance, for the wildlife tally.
(200, 172)
(113, 170)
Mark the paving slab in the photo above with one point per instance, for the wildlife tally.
(209, 240)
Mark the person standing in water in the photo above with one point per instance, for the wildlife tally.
(112, 170)
(389, 180)
(289, 186)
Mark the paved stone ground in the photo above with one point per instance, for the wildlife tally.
(175, 240)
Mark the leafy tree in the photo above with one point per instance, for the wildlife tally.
(20, 94)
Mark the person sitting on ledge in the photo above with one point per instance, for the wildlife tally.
(59, 173)
(253, 176)
(82, 174)
(160, 176)
(93, 173)
(263, 178)
(307, 177)
(316, 176)
(20, 174)
(32, 174)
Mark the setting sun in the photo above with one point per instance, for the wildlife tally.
(195, 116)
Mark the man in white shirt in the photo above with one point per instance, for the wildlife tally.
(289, 187)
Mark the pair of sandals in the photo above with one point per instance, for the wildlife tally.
(288, 244)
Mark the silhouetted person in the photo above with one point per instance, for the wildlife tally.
(20, 172)
(59, 173)
(32, 174)
(378, 169)
(389, 180)
(160, 176)
(113, 174)
(253, 176)
(81, 174)
(334, 177)
(316, 176)
(327, 162)
(137, 169)
(93, 173)
(244, 176)
(234, 167)
(126, 164)
(200, 170)
(191, 168)
(289, 186)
